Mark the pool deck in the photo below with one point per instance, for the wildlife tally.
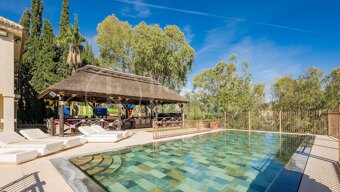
(320, 173)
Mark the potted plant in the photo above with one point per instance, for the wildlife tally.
(214, 124)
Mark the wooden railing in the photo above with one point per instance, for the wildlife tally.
(169, 127)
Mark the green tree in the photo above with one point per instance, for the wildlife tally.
(64, 23)
(332, 89)
(147, 50)
(114, 42)
(162, 54)
(284, 93)
(64, 27)
(302, 94)
(30, 108)
(88, 56)
(46, 72)
(224, 89)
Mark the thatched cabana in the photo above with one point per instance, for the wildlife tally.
(92, 83)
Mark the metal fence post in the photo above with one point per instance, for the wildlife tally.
(280, 119)
(225, 120)
(339, 135)
(249, 121)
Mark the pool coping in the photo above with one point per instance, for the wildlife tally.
(296, 165)
(81, 182)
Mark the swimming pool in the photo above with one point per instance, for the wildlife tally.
(226, 161)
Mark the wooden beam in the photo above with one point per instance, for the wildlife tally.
(182, 114)
(119, 108)
(61, 116)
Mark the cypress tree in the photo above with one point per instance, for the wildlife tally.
(88, 55)
(64, 27)
(36, 24)
(64, 24)
(30, 108)
(47, 62)
(23, 86)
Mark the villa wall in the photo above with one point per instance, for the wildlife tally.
(1, 112)
(7, 51)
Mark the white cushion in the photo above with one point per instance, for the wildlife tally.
(16, 156)
(86, 130)
(98, 129)
(10, 137)
(33, 134)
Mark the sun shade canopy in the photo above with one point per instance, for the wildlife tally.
(104, 84)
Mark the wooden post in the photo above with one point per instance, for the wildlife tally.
(339, 136)
(119, 108)
(61, 116)
(155, 120)
(329, 123)
(280, 121)
(225, 120)
(182, 113)
(51, 126)
(249, 121)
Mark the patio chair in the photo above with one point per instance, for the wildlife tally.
(100, 130)
(92, 136)
(15, 141)
(37, 134)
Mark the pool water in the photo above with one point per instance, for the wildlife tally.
(226, 161)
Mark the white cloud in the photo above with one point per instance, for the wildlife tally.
(142, 11)
(188, 34)
(138, 10)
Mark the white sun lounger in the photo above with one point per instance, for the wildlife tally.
(37, 134)
(99, 129)
(17, 156)
(15, 141)
(92, 136)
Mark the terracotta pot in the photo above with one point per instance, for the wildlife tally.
(196, 124)
(214, 125)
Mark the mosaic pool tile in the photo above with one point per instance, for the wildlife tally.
(231, 161)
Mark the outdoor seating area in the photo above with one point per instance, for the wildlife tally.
(17, 149)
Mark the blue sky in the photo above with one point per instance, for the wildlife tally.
(281, 37)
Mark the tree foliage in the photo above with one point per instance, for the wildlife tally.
(64, 24)
(87, 55)
(43, 59)
(224, 88)
(146, 50)
(301, 94)
(46, 72)
(332, 89)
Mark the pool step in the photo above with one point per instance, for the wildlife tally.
(116, 164)
(97, 159)
(79, 161)
(104, 165)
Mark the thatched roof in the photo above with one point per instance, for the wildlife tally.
(99, 83)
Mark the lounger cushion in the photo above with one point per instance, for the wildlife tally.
(10, 137)
(33, 134)
(37, 134)
(17, 156)
(43, 147)
(68, 142)
(100, 130)
(86, 130)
